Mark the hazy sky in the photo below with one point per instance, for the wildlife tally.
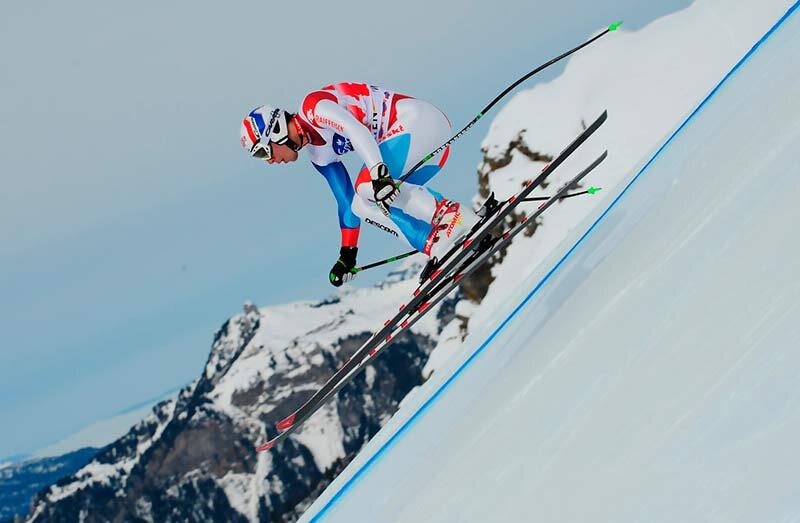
(133, 225)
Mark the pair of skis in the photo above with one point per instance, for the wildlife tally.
(457, 264)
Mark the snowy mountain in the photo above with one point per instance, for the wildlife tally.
(193, 457)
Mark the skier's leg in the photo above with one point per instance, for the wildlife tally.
(416, 232)
(371, 215)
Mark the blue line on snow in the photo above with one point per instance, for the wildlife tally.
(425, 406)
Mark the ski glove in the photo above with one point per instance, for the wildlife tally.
(342, 269)
(384, 186)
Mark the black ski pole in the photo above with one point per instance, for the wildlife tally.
(612, 27)
(590, 190)
(356, 270)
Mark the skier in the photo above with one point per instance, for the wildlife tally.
(391, 132)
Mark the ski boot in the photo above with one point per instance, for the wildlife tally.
(451, 223)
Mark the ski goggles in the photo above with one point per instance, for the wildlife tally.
(274, 133)
(262, 151)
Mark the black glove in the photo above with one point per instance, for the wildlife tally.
(384, 187)
(340, 272)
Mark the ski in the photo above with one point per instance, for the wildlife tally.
(448, 264)
(442, 289)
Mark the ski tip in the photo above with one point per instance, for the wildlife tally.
(614, 26)
(266, 446)
(593, 190)
(286, 423)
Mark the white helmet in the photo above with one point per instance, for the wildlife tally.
(263, 126)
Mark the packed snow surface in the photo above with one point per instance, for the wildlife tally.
(653, 375)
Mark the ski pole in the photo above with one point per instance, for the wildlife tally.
(590, 190)
(612, 27)
(356, 270)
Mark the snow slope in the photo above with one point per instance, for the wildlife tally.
(650, 371)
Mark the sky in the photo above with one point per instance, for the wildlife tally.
(132, 225)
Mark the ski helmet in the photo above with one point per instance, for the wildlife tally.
(262, 126)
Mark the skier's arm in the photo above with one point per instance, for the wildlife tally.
(342, 188)
(329, 114)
